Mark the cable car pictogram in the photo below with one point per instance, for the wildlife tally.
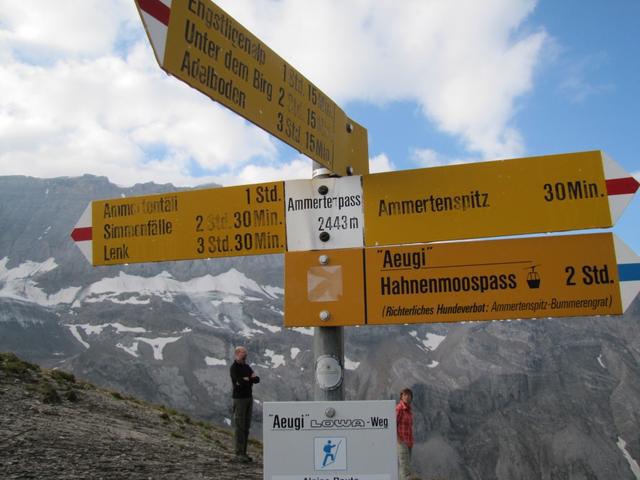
(533, 278)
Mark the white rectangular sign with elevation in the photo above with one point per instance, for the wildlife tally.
(330, 440)
(324, 213)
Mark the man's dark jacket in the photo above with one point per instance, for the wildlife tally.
(241, 387)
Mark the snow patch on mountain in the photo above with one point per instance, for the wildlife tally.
(158, 345)
(226, 299)
(20, 283)
(248, 332)
(47, 230)
(277, 360)
(132, 300)
(266, 326)
(132, 350)
(350, 364)
(98, 329)
(75, 331)
(633, 464)
(88, 330)
(294, 352)
(431, 341)
(304, 330)
(125, 288)
(212, 362)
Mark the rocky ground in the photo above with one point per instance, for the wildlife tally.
(53, 426)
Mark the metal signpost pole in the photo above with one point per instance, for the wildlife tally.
(328, 345)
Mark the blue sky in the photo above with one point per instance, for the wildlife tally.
(434, 82)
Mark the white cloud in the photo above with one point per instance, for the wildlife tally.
(296, 169)
(40, 29)
(81, 92)
(464, 62)
(381, 163)
(576, 84)
(119, 117)
(426, 157)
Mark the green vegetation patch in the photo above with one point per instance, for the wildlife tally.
(117, 395)
(50, 394)
(72, 396)
(63, 377)
(12, 366)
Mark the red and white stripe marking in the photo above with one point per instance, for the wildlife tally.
(82, 234)
(620, 187)
(155, 16)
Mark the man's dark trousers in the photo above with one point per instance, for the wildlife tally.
(242, 410)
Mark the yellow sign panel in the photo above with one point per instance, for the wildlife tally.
(210, 51)
(211, 223)
(324, 288)
(493, 280)
(512, 197)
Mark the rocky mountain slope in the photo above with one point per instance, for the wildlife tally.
(536, 399)
(53, 426)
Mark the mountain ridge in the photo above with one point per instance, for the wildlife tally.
(533, 399)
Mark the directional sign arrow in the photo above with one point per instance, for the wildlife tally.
(82, 234)
(561, 276)
(199, 43)
(204, 223)
(530, 195)
(533, 277)
(620, 187)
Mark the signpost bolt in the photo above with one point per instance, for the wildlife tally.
(349, 128)
(349, 170)
(324, 259)
(323, 189)
(330, 412)
(325, 315)
(324, 236)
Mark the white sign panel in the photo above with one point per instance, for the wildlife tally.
(330, 440)
(325, 213)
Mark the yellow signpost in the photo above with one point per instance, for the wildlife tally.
(487, 199)
(208, 223)
(579, 275)
(534, 277)
(199, 43)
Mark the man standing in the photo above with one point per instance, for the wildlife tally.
(242, 379)
(404, 425)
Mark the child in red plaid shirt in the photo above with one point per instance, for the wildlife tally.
(404, 425)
